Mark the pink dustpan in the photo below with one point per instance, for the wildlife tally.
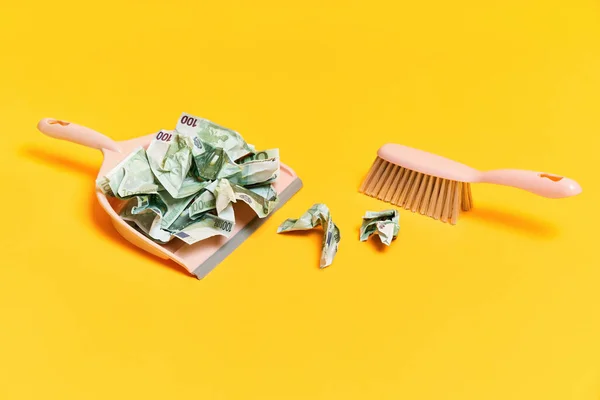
(199, 258)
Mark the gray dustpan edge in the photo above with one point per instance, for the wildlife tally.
(203, 269)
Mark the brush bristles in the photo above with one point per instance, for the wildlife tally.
(435, 197)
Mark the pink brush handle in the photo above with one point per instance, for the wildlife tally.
(540, 183)
(77, 134)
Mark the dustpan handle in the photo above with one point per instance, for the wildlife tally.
(77, 134)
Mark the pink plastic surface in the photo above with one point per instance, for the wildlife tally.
(427, 163)
(540, 183)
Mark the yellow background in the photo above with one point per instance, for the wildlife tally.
(505, 305)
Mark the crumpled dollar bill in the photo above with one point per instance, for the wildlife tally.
(185, 184)
(207, 225)
(317, 215)
(130, 177)
(147, 216)
(232, 143)
(262, 199)
(170, 160)
(383, 223)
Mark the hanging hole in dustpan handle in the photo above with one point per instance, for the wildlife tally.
(77, 134)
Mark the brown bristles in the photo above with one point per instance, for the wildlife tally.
(438, 198)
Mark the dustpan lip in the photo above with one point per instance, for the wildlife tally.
(236, 240)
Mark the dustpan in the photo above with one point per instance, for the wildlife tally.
(199, 258)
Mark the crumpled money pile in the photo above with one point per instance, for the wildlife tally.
(184, 185)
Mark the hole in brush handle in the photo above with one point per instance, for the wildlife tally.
(553, 178)
(540, 183)
(58, 122)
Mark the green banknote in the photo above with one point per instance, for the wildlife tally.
(261, 167)
(262, 200)
(259, 156)
(257, 172)
(383, 223)
(146, 219)
(215, 135)
(174, 207)
(149, 202)
(206, 225)
(170, 159)
(317, 215)
(212, 163)
(204, 201)
(266, 191)
(130, 177)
